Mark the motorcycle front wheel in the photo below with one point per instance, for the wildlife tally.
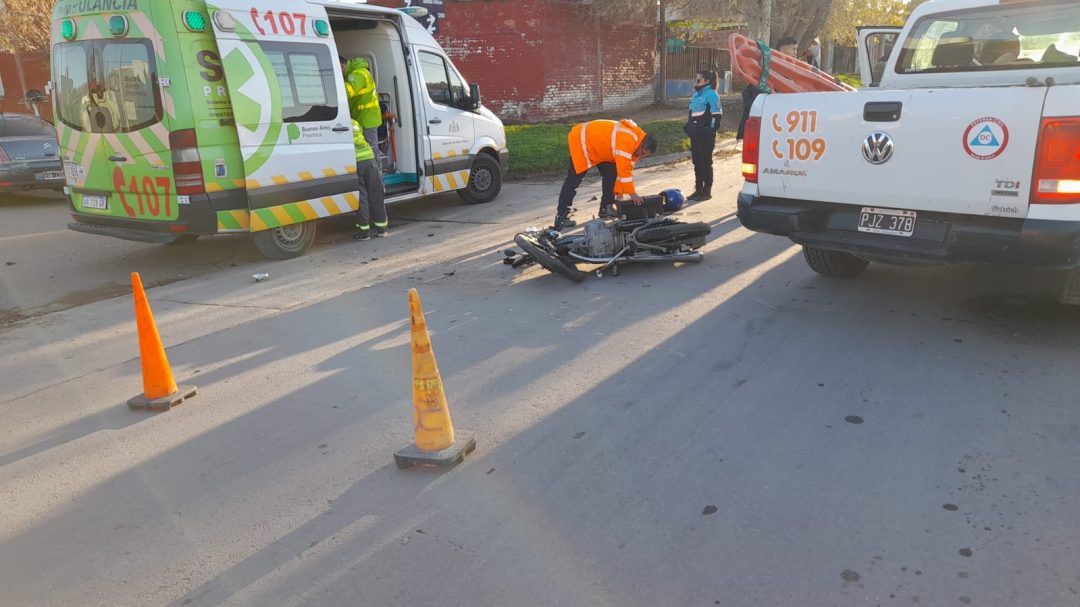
(548, 260)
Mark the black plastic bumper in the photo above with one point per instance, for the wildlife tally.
(198, 217)
(156, 237)
(938, 237)
(16, 176)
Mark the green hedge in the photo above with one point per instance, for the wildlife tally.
(850, 79)
(541, 149)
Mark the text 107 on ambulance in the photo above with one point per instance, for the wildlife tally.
(279, 23)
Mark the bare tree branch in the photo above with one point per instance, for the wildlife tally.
(25, 25)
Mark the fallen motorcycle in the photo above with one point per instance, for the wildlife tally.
(641, 234)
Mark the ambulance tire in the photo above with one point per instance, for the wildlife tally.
(485, 181)
(285, 242)
(834, 264)
(183, 239)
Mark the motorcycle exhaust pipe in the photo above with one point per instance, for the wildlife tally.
(590, 259)
(692, 257)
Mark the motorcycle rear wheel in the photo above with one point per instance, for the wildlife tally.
(671, 233)
(547, 260)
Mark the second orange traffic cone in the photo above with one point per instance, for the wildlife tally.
(159, 388)
(436, 444)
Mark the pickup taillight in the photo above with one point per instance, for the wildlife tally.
(1056, 178)
(3, 156)
(751, 149)
(187, 166)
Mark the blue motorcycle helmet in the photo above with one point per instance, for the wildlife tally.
(673, 200)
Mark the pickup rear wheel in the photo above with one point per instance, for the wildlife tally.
(285, 242)
(834, 264)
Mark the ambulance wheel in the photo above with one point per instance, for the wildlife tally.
(834, 264)
(184, 239)
(485, 181)
(285, 242)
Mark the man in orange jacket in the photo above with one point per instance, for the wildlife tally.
(612, 147)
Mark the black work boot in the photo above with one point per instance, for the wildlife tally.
(697, 191)
(706, 194)
(564, 222)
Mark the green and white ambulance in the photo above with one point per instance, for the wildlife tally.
(182, 118)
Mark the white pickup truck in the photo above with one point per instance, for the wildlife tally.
(966, 149)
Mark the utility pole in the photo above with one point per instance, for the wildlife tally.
(766, 21)
(661, 34)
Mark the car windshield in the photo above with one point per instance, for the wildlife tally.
(1044, 35)
(107, 86)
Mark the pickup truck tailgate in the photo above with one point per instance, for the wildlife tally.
(957, 150)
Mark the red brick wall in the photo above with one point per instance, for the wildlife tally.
(630, 65)
(36, 73)
(533, 59)
(542, 59)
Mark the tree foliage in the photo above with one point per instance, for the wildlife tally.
(848, 14)
(801, 19)
(25, 25)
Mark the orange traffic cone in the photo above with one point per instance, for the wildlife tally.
(436, 444)
(159, 389)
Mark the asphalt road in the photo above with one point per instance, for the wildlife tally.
(738, 432)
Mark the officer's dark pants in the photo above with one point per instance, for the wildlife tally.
(701, 152)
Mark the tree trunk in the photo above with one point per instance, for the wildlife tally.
(766, 21)
(22, 83)
(661, 88)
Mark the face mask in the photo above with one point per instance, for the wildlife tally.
(699, 87)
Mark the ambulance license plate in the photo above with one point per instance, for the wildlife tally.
(90, 201)
(49, 175)
(893, 222)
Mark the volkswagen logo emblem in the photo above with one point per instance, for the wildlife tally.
(878, 148)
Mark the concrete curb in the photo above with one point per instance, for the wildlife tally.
(727, 145)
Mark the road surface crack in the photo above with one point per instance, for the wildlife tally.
(221, 305)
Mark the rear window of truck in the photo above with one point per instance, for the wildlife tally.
(107, 86)
(1004, 37)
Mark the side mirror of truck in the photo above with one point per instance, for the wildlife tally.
(474, 96)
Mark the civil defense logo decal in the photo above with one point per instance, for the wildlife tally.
(986, 138)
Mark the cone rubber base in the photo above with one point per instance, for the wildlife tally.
(411, 456)
(164, 403)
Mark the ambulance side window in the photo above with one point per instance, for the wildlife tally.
(304, 74)
(436, 78)
(459, 92)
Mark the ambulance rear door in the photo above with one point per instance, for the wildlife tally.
(291, 112)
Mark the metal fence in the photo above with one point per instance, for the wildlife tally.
(685, 63)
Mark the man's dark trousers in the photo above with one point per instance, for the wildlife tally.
(573, 179)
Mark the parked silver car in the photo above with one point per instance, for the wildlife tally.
(29, 154)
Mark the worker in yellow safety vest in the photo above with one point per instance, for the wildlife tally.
(372, 209)
(363, 101)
